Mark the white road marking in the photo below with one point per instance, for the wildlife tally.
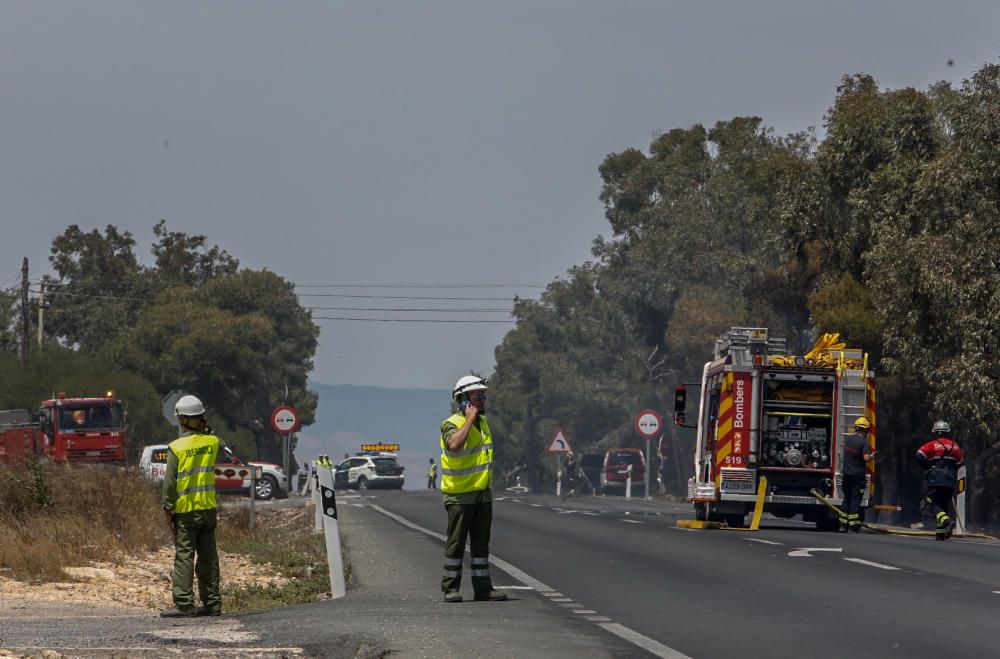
(552, 593)
(513, 588)
(214, 651)
(621, 631)
(762, 541)
(598, 618)
(996, 592)
(805, 551)
(630, 521)
(561, 599)
(535, 505)
(871, 563)
(584, 611)
(644, 642)
(590, 512)
(572, 605)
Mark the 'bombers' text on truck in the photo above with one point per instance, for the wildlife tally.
(763, 412)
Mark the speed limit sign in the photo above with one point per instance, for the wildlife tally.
(284, 420)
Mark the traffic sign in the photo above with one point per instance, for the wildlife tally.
(169, 402)
(284, 420)
(559, 443)
(648, 423)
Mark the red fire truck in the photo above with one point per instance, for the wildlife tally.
(66, 429)
(763, 412)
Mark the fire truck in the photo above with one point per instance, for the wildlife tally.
(66, 429)
(765, 413)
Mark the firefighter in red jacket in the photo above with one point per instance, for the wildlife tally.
(941, 458)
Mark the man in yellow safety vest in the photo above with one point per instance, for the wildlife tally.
(189, 507)
(466, 479)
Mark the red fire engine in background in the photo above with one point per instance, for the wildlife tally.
(763, 412)
(66, 429)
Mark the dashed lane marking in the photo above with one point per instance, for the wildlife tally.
(512, 588)
(585, 612)
(762, 541)
(630, 521)
(598, 618)
(621, 631)
(536, 505)
(572, 605)
(881, 566)
(560, 599)
(552, 593)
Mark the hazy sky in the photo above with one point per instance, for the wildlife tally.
(407, 142)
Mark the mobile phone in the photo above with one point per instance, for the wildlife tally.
(464, 405)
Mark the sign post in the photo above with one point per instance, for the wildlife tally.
(648, 424)
(558, 446)
(285, 420)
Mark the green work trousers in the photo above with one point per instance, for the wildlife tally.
(196, 536)
(470, 521)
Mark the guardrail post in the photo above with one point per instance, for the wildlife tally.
(331, 528)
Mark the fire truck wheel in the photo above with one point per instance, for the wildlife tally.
(701, 511)
(734, 521)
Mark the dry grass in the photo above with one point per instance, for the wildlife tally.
(60, 515)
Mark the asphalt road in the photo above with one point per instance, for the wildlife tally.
(785, 591)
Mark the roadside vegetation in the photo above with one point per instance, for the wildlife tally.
(61, 515)
(54, 516)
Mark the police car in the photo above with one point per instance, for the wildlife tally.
(369, 469)
(231, 473)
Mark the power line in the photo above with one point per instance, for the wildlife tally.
(406, 297)
(449, 310)
(419, 286)
(408, 320)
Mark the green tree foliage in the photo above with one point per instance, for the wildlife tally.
(236, 342)
(99, 290)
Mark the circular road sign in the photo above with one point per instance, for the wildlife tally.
(284, 420)
(648, 423)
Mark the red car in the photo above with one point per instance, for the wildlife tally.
(614, 474)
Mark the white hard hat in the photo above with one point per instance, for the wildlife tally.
(941, 426)
(468, 383)
(189, 406)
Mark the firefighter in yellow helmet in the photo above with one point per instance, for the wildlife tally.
(857, 454)
(466, 481)
(189, 507)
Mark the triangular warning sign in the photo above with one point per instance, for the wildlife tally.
(559, 443)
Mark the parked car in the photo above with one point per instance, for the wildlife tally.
(232, 474)
(614, 473)
(367, 470)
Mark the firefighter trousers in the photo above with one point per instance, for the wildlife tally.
(196, 537)
(850, 510)
(938, 499)
(472, 521)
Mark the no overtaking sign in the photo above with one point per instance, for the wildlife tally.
(284, 420)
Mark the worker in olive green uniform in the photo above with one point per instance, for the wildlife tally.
(466, 479)
(189, 507)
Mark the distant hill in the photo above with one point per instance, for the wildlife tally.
(349, 416)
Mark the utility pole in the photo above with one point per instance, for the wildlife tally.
(41, 314)
(24, 312)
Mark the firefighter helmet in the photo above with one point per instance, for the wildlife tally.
(941, 427)
(189, 406)
(862, 423)
(468, 383)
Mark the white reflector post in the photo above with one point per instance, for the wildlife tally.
(317, 506)
(331, 528)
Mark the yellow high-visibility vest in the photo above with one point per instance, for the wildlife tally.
(471, 467)
(196, 456)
